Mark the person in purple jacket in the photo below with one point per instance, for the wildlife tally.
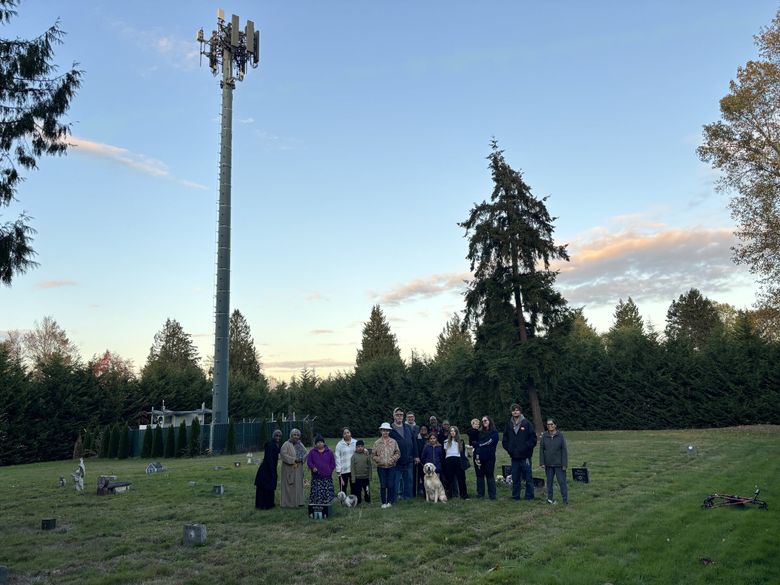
(433, 453)
(322, 463)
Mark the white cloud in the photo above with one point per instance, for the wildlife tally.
(138, 162)
(56, 283)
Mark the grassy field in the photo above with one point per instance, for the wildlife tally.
(639, 521)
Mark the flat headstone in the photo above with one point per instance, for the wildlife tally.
(3, 574)
(194, 534)
(219, 489)
(48, 523)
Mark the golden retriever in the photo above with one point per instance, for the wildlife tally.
(434, 490)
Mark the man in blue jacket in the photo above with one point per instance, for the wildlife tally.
(407, 444)
(519, 441)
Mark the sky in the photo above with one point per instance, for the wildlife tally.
(359, 143)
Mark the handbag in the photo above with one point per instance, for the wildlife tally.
(464, 462)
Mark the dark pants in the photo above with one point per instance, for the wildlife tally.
(387, 479)
(560, 475)
(455, 476)
(361, 489)
(485, 472)
(521, 470)
(403, 481)
(345, 483)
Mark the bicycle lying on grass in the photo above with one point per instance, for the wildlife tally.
(719, 500)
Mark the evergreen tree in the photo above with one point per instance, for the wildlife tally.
(170, 443)
(173, 347)
(124, 442)
(627, 316)
(378, 340)
(692, 318)
(242, 352)
(231, 438)
(33, 101)
(453, 335)
(194, 447)
(105, 442)
(510, 251)
(146, 448)
(113, 446)
(158, 443)
(181, 442)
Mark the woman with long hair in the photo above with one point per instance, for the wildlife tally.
(485, 458)
(454, 450)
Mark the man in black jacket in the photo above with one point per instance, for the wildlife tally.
(519, 441)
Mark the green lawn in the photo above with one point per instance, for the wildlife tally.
(639, 521)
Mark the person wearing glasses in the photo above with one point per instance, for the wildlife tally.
(554, 457)
(485, 458)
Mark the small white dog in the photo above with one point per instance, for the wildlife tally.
(348, 501)
(434, 490)
(500, 479)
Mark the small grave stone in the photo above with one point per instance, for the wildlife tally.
(692, 450)
(219, 489)
(249, 458)
(3, 574)
(320, 511)
(48, 524)
(217, 468)
(580, 474)
(236, 464)
(155, 467)
(194, 534)
(192, 483)
(62, 481)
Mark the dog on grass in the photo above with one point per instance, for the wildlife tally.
(434, 490)
(348, 501)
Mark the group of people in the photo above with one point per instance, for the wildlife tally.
(400, 454)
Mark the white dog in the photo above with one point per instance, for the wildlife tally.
(348, 501)
(434, 490)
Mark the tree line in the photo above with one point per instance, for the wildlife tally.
(712, 366)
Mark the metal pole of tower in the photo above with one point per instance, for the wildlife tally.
(233, 49)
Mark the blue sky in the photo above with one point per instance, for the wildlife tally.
(359, 144)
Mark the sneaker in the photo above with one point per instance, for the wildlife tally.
(552, 502)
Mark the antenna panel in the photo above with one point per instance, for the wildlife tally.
(250, 37)
(234, 31)
(257, 47)
(220, 14)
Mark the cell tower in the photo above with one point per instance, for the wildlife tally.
(231, 50)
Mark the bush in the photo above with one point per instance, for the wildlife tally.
(146, 448)
(113, 446)
(194, 448)
(231, 438)
(124, 442)
(158, 447)
(170, 442)
(181, 444)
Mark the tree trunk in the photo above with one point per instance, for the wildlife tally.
(536, 410)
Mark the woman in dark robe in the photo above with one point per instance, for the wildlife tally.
(265, 480)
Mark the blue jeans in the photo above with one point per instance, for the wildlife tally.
(521, 470)
(404, 481)
(387, 481)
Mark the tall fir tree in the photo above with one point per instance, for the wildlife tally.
(34, 99)
(242, 353)
(378, 340)
(146, 448)
(113, 446)
(692, 318)
(181, 442)
(511, 248)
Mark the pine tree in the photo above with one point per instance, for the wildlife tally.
(194, 446)
(181, 443)
(105, 441)
(146, 448)
(627, 316)
(510, 251)
(378, 340)
(33, 101)
(172, 347)
(124, 442)
(692, 318)
(170, 443)
(158, 443)
(113, 447)
(242, 353)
